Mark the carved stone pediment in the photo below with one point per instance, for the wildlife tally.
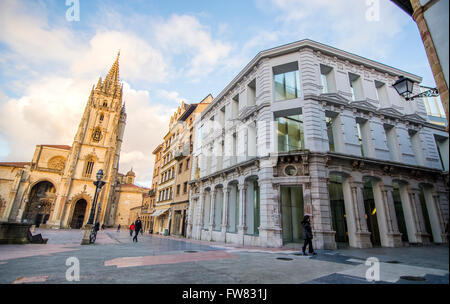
(390, 111)
(415, 117)
(334, 97)
(364, 105)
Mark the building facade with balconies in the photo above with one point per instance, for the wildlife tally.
(306, 128)
(183, 165)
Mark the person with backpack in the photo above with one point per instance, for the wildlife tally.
(307, 235)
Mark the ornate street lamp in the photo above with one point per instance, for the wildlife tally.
(98, 186)
(404, 87)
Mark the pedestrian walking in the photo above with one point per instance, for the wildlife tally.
(97, 226)
(103, 226)
(131, 229)
(137, 228)
(307, 235)
(118, 228)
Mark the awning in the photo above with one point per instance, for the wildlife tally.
(159, 212)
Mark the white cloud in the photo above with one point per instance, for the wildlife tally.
(138, 59)
(24, 28)
(183, 34)
(340, 23)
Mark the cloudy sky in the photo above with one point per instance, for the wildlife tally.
(170, 51)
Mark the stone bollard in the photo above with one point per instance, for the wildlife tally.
(87, 232)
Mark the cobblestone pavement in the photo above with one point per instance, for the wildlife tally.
(114, 258)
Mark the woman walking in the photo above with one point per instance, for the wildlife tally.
(307, 235)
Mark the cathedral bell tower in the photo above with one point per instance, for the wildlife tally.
(96, 146)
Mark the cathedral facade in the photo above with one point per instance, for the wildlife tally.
(56, 189)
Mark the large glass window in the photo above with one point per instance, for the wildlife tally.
(290, 133)
(286, 81)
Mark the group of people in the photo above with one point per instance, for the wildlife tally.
(135, 227)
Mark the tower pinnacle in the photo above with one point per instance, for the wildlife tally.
(113, 75)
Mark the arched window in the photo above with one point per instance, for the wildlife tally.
(96, 135)
(105, 104)
(101, 117)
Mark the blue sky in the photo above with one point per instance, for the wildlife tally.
(170, 51)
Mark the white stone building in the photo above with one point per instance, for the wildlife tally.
(308, 128)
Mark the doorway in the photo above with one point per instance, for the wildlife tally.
(425, 214)
(176, 222)
(292, 214)
(399, 212)
(338, 214)
(78, 214)
(371, 213)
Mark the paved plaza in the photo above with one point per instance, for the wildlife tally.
(114, 258)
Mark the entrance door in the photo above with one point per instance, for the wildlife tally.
(292, 214)
(371, 213)
(337, 206)
(425, 214)
(78, 214)
(176, 222)
(399, 212)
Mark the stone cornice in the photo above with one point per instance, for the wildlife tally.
(316, 46)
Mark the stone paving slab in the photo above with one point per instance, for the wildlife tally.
(114, 258)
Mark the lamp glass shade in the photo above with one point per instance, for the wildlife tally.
(100, 174)
(403, 86)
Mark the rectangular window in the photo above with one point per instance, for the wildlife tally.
(381, 92)
(391, 142)
(180, 168)
(187, 164)
(235, 107)
(185, 188)
(286, 81)
(329, 122)
(355, 86)
(290, 133)
(327, 79)
(442, 145)
(251, 93)
(360, 138)
(178, 189)
(324, 83)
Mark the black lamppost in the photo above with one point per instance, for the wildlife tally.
(404, 87)
(99, 184)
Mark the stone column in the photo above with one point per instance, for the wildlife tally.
(394, 237)
(211, 212)
(421, 235)
(361, 234)
(226, 194)
(242, 228)
(441, 218)
(199, 215)
(324, 235)
(269, 225)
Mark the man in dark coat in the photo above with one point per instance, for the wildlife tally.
(137, 228)
(307, 235)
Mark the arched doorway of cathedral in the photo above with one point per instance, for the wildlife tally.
(40, 202)
(78, 215)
